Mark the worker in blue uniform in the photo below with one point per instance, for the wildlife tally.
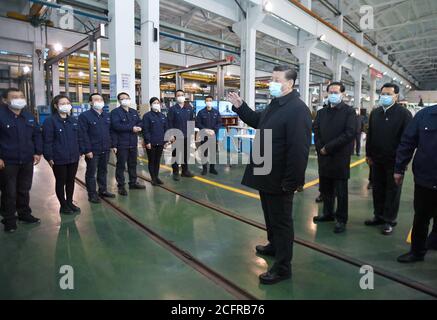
(209, 119)
(95, 143)
(125, 125)
(20, 150)
(178, 117)
(61, 150)
(154, 128)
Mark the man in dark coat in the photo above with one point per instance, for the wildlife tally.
(334, 132)
(386, 126)
(420, 140)
(288, 119)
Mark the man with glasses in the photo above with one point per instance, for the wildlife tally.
(386, 126)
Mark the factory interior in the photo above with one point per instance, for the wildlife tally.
(194, 237)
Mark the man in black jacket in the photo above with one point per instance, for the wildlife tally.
(420, 140)
(386, 126)
(334, 132)
(289, 120)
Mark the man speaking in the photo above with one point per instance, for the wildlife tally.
(289, 121)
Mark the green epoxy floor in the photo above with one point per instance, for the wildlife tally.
(111, 258)
(360, 242)
(115, 259)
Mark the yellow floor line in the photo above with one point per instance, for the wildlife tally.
(409, 236)
(243, 192)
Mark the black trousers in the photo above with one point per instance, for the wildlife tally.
(386, 194)
(184, 165)
(16, 182)
(278, 215)
(370, 174)
(129, 156)
(331, 189)
(358, 143)
(64, 176)
(205, 166)
(425, 208)
(154, 156)
(98, 164)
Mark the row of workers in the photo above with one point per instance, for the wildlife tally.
(63, 139)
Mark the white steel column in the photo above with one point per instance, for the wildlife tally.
(122, 48)
(357, 73)
(246, 30)
(55, 79)
(303, 53)
(149, 50)
(372, 94)
(336, 63)
(359, 36)
(39, 90)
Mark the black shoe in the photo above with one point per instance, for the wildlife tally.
(431, 242)
(66, 210)
(122, 192)
(29, 219)
(340, 227)
(106, 194)
(374, 222)
(212, 170)
(176, 177)
(187, 174)
(94, 199)
(324, 218)
(204, 171)
(10, 227)
(137, 186)
(369, 186)
(272, 277)
(410, 257)
(159, 181)
(154, 182)
(265, 250)
(73, 207)
(319, 199)
(387, 229)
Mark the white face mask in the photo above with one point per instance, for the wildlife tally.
(65, 108)
(156, 107)
(180, 99)
(126, 102)
(209, 105)
(98, 105)
(18, 104)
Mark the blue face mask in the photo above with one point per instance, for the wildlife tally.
(334, 98)
(386, 101)
(275, 89)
